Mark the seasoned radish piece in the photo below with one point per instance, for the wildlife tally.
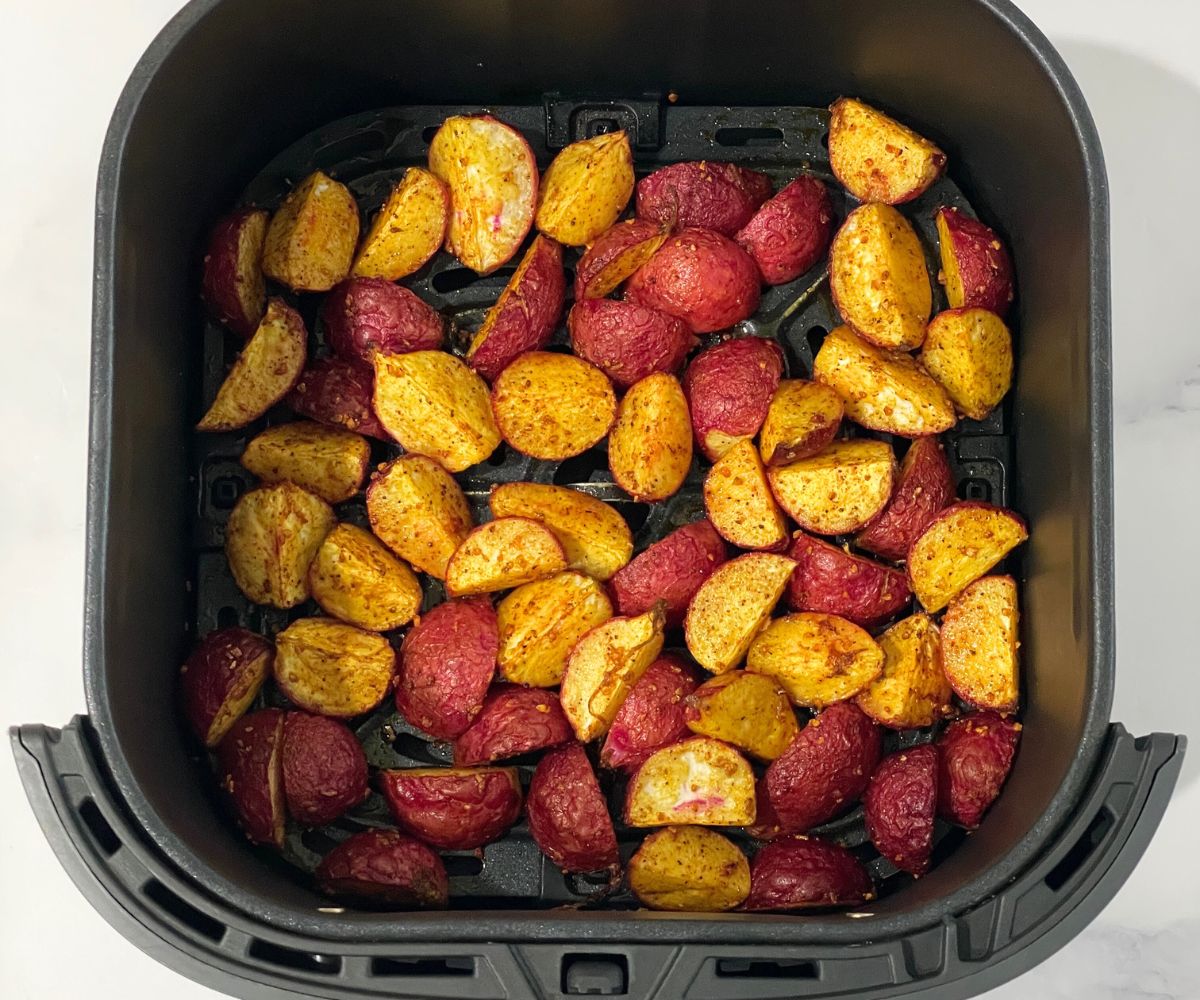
(263, 373)
(689, 868)
(719, 196)
(524, 317)
(330, 668)
(924, 486)
(324, 768)
(626, 341)
(568, 817)
(882, 390)
(271, 537)
(434, 405)
(250, 772)
(540, 623)
(878, 278)
(899, 807)
(493, 181)
(650, 447)
(604, 666)
(220, 679)
(355, 578)
(338, 393)
(837, 490)
(596, 539)
(975, 754)
(368, 316)
(327, 461)
(797, 873)
(729, 390)
(876, 158)
(586, 188)
(748, 710)
(976, 268)
(803, 419)
(514, 720)
(837, 582)
(453, 809)
(699, 781)
(384, 867)
(957, 547)
(670, 570)
(311, 239)
(418, 510)
(233, 288)
(790, 233)
(818, 659)
(616, 254)
(739, 503)
(969, 351)
(912, 692)
(504, 553)
(553, 406)
(979, 643)
(731, 606)
(653, 716)
(408, 230)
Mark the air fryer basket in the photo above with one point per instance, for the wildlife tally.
(228, 85)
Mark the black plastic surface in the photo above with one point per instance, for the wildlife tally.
(199, 934)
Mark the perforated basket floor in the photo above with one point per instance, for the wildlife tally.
(369, 152)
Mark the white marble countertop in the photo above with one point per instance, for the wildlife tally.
(61, 68)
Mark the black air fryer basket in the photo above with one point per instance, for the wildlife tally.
(357, 89)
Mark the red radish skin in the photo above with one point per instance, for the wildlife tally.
(338, 393)
(368, 316)
(652, 716)
(515, 720)
(899, 807)
(568, 817)
(385, 866)
(670, 570)
(324, 768)
(791, 232)
(718, 196)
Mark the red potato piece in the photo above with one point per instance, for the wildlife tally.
(924, 486)
(626, 341)
(732, 606)
(837, 490)
(603, 668)
(408, 230)
(324, 769)
(339, 394)
(355, 578)
(265, 371)
(817, 658)
(418, 510)
(739, 502)
(271, 538)
(454, 809)
(652, 716)
(384, 866)
(446, 664)
(980, 641)
(698, 781)
(878, 159)
(729, 388)
(568, 817)
(616, 254)
(233, 285)
(702, 277)
(798, 873)
(719, 196)
(221, 678)
(493, 180)
(504, 553)
(514, 720)
(823, 773)
(899, 807)
(526, 314)
(975, 754)
(650, 445)
(689, 868)
(330, 668)
(838, 582)
(912, 692)
(670, 570)
(791, 232)
(327, 461)
(802, 420)
(957, 547)
(249, 769)
(969, 351)
(586, 188)
(311, 239)
(976, 268)
(368, 316)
